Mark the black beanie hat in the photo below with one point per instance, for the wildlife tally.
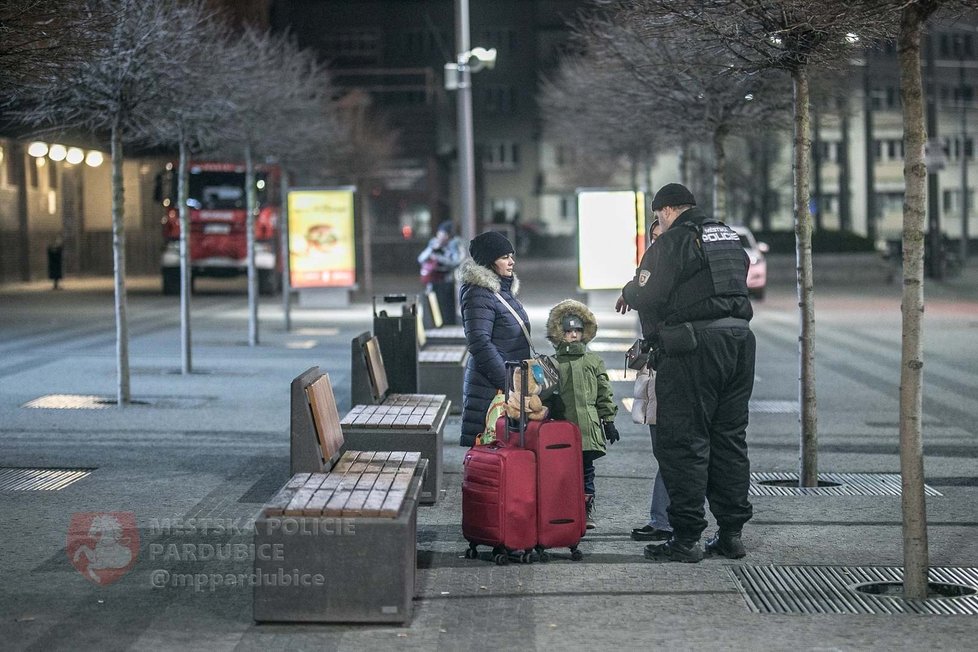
(672, 194)
(486, 247)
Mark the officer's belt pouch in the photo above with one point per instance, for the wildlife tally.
(677, 339)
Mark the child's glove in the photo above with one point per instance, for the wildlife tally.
(610, 432)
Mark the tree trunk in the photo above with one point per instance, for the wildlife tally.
(915, 554)
(808, 476)
(284, 249)
(119, 269)
(719, 175)
(183, 193)
(251, 203)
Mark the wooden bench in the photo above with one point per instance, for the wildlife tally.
(434, 324)
(339, 544)
(402, 422)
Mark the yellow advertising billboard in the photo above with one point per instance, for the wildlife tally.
(610, 237)
(322, 240)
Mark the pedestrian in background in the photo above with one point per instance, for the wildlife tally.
(584, 394)
(491, 316)
(657, 528)
(438, 262)
(693, 287)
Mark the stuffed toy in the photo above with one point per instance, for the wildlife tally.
(533, 406)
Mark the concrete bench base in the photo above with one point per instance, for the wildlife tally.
(337, 569)
(441, 370)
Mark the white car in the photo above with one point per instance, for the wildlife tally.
(757, 273)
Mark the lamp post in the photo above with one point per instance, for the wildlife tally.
(458, 77)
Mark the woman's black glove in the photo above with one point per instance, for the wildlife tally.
(610, 432)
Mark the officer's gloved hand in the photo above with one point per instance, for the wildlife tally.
(611, 432)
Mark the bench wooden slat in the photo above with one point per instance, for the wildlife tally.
(325, 415)
(297, 480)
(318, 501)
(277, 504)
(335, 505)
(354, 505)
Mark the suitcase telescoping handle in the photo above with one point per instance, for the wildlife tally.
(524, 368)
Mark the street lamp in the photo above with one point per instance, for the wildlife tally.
(458, 78)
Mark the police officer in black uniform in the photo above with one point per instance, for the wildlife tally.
(691, 295)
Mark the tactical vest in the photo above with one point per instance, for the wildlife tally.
(724, 269)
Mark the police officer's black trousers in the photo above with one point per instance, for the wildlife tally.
(701, 441)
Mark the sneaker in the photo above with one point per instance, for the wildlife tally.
(726, 545)
(589, 521)
(649, 533)
(672, 550)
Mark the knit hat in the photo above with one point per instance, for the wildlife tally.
(486, 247)
(672, 194)
(572, 322)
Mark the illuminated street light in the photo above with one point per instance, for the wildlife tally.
(94, 158)
(57, 152)
(37, 149)
(75, 155)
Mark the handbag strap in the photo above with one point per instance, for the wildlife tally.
(519, 320)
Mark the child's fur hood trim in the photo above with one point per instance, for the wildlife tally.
(473, 273)
(555, 332)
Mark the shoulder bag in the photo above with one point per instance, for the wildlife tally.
(545, 371)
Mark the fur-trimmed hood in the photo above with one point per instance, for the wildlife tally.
(473, 273)
(555, 332)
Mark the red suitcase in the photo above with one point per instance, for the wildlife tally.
(499, 501)
(556, 444)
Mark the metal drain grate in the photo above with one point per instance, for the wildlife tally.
(17, 479)
(88, 402)
(774, 407)
(831, 590)
(850, 484)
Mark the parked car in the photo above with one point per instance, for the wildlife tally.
(757, 273)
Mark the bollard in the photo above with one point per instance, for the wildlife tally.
(55, 263)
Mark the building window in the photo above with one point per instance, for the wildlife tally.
(52, 176)
(497, 98)
(565, 155)
(567, 207)
(352, 46)
(505, 210)
(502, 155)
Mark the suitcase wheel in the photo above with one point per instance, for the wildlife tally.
(501, 558)
(524, 556)
(576, 554)
(472, 552)
(542, 555)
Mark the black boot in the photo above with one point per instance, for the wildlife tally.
(589, 511)
(673, 550)
(726, 544)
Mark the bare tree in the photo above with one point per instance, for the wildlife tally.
(137, 57)
(193, 118)
(788, 35)
(39, 36)
(912, 18)
(695, 91)
(281, 94)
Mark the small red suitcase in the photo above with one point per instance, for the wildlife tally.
(499, 501)
(561, 521)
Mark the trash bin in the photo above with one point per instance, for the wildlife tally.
(55, 263)
(398, 337)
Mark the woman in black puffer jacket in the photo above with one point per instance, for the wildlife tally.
(492, 333)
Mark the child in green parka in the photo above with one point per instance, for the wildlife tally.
(584, 395)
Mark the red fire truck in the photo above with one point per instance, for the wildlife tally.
(218, 217)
